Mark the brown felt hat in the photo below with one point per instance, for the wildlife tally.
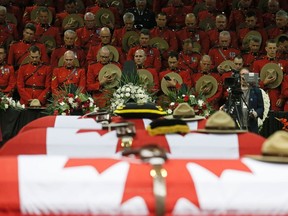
(145, 76)
(206, 81)
(272, 70)
(159, 43)
(130, 38)
(222, 123)
(75, 20)
(35, 11)
(274, 149)
(184, 112)
(110, 70)
(174, 75)
(103, 17)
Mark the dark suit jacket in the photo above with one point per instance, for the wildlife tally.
(256, 103)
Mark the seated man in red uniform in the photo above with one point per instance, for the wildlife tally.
(173, 67)
(70, 37)
(20, 50)
(68, 74)
(153, 58)
(281, 25)
(88, 35)
(7, 76)
(253, 52)
(192, 31)
(8, 30)
(139, 59)
(96, 86)
(276, 98)
(34, 79)
(205, 69)
(188, 59)
(223, 51)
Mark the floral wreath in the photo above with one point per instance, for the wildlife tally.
(266, 102)
(69, 102)
(128, 92)
(8, 102)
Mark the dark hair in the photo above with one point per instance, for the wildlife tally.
(161, 14)
(173, 54)
(34, 49)
(145, 31)
(70, 2)
(43, 9)
(30, 26)
(250, 13)
(282, 38)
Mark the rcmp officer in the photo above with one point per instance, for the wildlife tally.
(8, 31)
(153, 59)
(20, 50)
(223, 51)
(7, 76)
(96, 86)
(68, 74)
(69, 44)
(34, 79)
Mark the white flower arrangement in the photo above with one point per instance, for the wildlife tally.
(266, 101)
(8, 102)
(127, 92)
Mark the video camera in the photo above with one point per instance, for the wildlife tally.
(252, 79)
(234, 82)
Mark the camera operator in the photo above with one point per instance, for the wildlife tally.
(245, 102)
(252, 103)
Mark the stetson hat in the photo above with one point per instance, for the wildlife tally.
(10, 18)
(35, 103)
(73, 19)
(272, 70)
(274, 149)
(130, 38)
(227, 65)
(159, 43)
(110, 70)
(61, 62)
(103, 17)
(26, 60)
(248, 36)
(207, 24)
(184, 112)
(114, 54)
(145, 76)
(117, 4)
(48, 41)
(222, 123)
(35, 11)
(207, 81)
(174, 75)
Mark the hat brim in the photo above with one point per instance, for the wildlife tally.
(34, 13)
(163, 45)
(221, 131)
(126, 37)
(76, 17)
(248, 36)
(195, 118)
(279, 79)
(110, 67)
(164, 87)
(214, 83)
(98, 15)
(270, 159)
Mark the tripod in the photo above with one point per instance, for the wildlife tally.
(234, 107)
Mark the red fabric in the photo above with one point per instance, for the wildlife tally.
(197, 36)
(243, 31)
(27, 13)
(51, 31)
(9, 190)
(217, 58)
(275, 31)
(29, 142)
(60, 75)
(59, 52)
(7, 78)
(44, 122)
(87, 37)
(213, 35)
(20, 50)
(189, 61)
(40, 78)
(153, 59)
(6, 31)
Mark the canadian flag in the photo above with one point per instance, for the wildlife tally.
(90, 123)
(58, 185)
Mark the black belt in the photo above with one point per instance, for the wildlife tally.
(35, 87)
(3, 87)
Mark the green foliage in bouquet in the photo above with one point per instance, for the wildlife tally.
(185, 95)
(8, 102)
(70, 100)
